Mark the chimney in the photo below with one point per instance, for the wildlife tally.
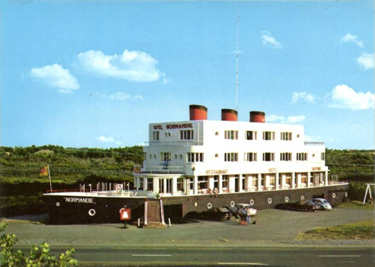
(257, 116)
(198, 112)
(229, 115)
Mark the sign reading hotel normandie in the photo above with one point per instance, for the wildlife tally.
(174, 126)
(216, 171)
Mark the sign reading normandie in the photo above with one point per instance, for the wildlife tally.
(79, 199)
(216, 171)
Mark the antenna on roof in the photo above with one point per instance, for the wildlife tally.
(237, 58)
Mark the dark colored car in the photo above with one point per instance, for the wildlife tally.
(298, 206)
(217, 214)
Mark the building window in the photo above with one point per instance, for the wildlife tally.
(286, 136)
(272, 180)
(155, 135)
(140, 186)
(286, 156)
(150, 184)
(224, 181)
(231, 135)
(304, 178)
(323, 156)
(255, 181)
(251, 135)
(144, 156)
(251, 156)
(288, 179)
(301, 156)
(187, 135)
(231, 157)
(268, 156)
(180, 184)
(166, 156)
(194, 157)
(268, 136)
(202, 182)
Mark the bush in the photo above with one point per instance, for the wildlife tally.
(357, 190)
(39, 255)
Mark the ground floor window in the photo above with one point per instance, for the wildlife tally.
(180, 184)
(140, 185)
(304, 178)
(272, 180)
(202, 182)
(225, 181)
(255, 181)
(150, 184)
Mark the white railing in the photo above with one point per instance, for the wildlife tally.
(314, 143)
(164, 169)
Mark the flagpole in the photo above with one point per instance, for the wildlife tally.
(49, 176)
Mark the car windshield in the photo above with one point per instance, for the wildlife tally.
(325, 201)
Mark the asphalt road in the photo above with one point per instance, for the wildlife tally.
(214, 256)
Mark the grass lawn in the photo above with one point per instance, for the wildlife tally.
(356, 205)
(360, 230)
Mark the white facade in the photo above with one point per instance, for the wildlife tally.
(197, 157)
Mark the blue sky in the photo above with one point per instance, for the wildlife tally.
(95, 74)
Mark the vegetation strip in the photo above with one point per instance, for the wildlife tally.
(358, 231)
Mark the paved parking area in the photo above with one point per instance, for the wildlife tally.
(275, 227)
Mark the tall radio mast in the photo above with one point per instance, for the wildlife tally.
(237, 58)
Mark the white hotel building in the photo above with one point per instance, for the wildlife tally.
(198, 156)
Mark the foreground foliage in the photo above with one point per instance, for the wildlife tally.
(39, 255)
(360, 230)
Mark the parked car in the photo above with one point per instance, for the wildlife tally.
(298, 206)
(321, 204)
(253, 212)
(217, 214)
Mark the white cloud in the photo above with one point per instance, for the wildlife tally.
(57, 77)
(305, 97)
(134, 66)
(282, 119)
(352, 39)
(342, 96)
(366, 61)
(121, 96)
(269, 40)
(109, 140)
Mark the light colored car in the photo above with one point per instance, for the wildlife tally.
(321, 203)
(253, 212)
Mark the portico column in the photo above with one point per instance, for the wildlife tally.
(174, 185)
(195, 185)
(144, 184)
(326, 177)
(283, 180)
(164, 185)
(259, 181)
(277, 181)
(211, 182)
(293, 180)
(249, 182)
(220, 183)
(240, 183)
(156, 185)
(308, 179)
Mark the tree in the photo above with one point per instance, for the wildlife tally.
(39, 255)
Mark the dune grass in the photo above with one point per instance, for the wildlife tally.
(356, 205)
(360, 231)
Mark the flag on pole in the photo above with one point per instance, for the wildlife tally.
(44, 171)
